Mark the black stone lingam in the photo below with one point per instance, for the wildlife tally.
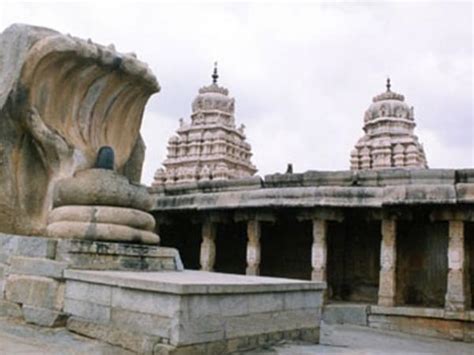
(105, 158)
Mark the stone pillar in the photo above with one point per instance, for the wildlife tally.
(208, 246)
(388, 263)
(458, 292)
(319, 250)
(253, 247)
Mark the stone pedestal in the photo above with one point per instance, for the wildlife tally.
(101, 205)
(388, 261)
(319, 250)
(191, 312)
(208, 246)
(253, 247)
(458, 291)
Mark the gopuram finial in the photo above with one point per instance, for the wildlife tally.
(388, 84)
(215, 76)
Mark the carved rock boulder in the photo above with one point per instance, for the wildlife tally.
(61, 99)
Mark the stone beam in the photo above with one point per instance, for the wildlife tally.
(321, 213)
(261, 216)
(453, 214)
(214, 216)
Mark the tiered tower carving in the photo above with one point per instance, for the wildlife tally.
(210, 147)
(389, 140)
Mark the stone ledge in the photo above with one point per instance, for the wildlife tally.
(192, 282)
(38, 291)
(323, 196)
(249, 183)
(422, 312)
(125, 338)
(37, 266)
(433, 327)
(105, 248)
(346, 314)
(94, 255)
(10, 309)
(36, 247)
(275, 197)
(44, 317)
(330, 188)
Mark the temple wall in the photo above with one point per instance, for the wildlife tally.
(353, 260)
(395, 247)
(286, 248)
(469, 235)
(184, 236)
(231, 244)
(423, 263)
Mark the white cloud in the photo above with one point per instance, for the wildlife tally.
(302, 74)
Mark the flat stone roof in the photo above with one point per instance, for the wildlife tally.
(374, 188)
(192, 282)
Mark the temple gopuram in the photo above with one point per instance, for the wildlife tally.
(211, 147)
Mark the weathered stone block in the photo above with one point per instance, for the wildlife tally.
(299, 300)
(3, 270)
(88, 292)
(432, 327)
(253, 324)
(4, 257)
(231, 305)
(146, 302)
(196, 312)
(202, 305)
(36, 266)
(95, 255)
(198, 330)
(36, 247)
(36, 291)
(87, 310)
(44, 317)
(135, 341)
(10, 309)
(265, 303)
(346, 314)
(3, 275)
(148, 323)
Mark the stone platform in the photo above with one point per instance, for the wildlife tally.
(432, 322)
(190, 311)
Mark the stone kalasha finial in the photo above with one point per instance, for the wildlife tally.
(215, 76)
(388, 84)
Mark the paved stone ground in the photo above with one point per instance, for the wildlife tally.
(18, 338)
(352, 339)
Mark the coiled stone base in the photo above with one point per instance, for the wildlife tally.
(101, 205)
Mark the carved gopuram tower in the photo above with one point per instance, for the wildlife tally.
(210, 147)
(389, 140)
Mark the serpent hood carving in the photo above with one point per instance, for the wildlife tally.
(61, 99)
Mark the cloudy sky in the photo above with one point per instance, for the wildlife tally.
(302, 74)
